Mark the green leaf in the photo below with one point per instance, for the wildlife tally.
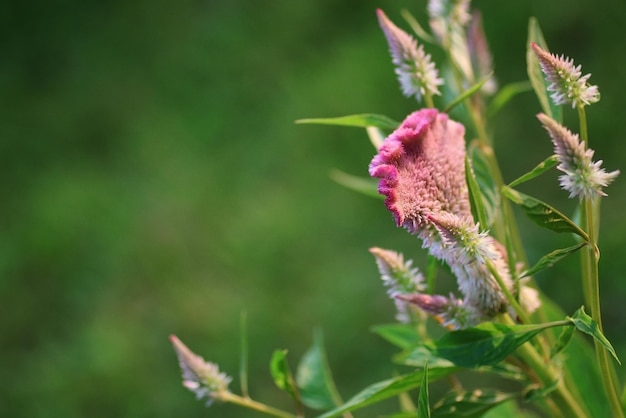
(419, 355)
(564, 339)
(366, 186)
(476, 200)
(485, 179)
(543, 214)
(470, 404)
(417, 28)
(535, 75)
(282, 374)
(485, 344)
(423, 405)
(362, 120)
(376, 136)
(505, 94)
(384, 390)
(586, 324)
(467, 93)
(536, 392)
(432, 267)
(542, 167)
(314, 378)
(552, 258)
(401, 335)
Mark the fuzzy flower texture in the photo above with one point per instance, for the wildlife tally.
(567, 84)
(583, 178)
(421, 167)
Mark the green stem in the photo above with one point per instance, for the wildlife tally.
(547, 374)
(591, 286)
(257, 406)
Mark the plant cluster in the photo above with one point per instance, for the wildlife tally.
(449, 193)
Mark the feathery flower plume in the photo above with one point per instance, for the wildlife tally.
(400, 277)
(451, 312)
(567, 85)
(199, 376)
(415, 70)
(583, 177)
(470, 254)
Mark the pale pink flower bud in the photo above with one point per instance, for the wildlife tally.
(567, 83)
(199, 376)
(583, 177)
(451, 312)
(400, 277)
(416, 72)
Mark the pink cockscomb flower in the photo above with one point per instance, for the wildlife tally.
(450, 312)
(422, 169)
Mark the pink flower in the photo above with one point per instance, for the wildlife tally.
(422, 171)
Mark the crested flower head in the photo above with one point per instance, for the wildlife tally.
(450, 312)
(400, 277)
(199, 376)
(583, 177)
(416, 72)
(566, 80)
(422, 169)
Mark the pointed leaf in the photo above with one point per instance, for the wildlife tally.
(505, 94)
(535, 75)
(314, 378)
(384, 390)
(423, 405)
(470, 404)
(467, 93)
(586, 324)
(535, 392)
(419, 355)
(432, 267)
(282, 374)
(542, 167)
(485, 344)
(564, 339)
(485, 179)
(552, 258)
(476, 200)
(401, 335)
(417, 28)
(376, 136)
(363, 185)
(362, 120)
(543, 214)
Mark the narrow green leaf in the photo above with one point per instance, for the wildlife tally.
(282, 374)
(552, 258)
(476, 200)
(417, 28)
(535, 75)
(469, 404)
(362, 120)
(376, 136)
(384, 390)
(535, 392)
(467, 93)
(419, 355)
(564, 339)
(505, 94)
(586, 324)
(432, 267)
(485, 344)
(543, 214)
(423, 405)
(541, 168)
(401, 335)
(314, 378)
(485, 179)
(366, 186)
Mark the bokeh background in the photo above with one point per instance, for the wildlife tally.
(154, 183)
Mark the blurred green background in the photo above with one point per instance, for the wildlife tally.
(154, 183)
